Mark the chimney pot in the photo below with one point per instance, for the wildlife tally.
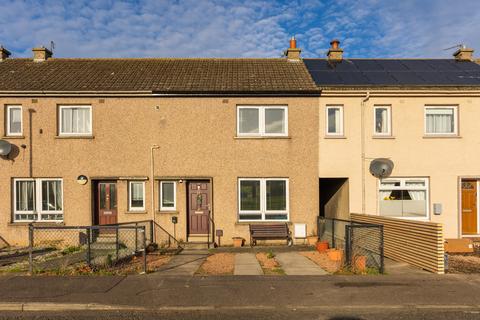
(335, 53)
(464, 54)
(4, 54)
(41, 54)
(293, 53)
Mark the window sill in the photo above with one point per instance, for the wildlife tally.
(167, 212)
(135, 211)
(335, 137)
(74, 137)
(241, 223)
(261, 137)
(383, 137)
(13, 137)
(42, 224)
(442, 136)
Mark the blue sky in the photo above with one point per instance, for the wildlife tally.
(257, 28)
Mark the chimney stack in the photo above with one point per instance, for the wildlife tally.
(463, 54)
(293, 53)
(4, 54)
(335, 53)
(41, 54)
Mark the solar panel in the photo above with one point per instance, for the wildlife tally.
(317, 64)
(344, 65)
(392, 65)
(416, 65)
(407, 78)
(367, 65)
(380, 78)
(325, 77)
(466, 65)
(352, 78)
(436, 77)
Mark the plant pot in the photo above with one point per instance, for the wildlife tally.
(322, 246)
(335, 254)
(360, 263)
(312, 240)
(237, 242)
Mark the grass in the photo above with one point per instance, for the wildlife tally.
(70, 250)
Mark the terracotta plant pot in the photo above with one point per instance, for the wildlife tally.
(237, 242)
(312, 240)
(360, 263)
(322, 246)
(335, 254)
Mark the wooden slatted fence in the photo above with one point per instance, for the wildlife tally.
(418, 243)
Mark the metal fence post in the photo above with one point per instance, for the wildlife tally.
(382, 256)
(116, 244)
(144, 251)
(136, 237)
(333, 234)
(30, 249)
(348, 247)
(152, 225)
(89, 254)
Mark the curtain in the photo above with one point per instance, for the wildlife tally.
(248, 120)
(76, 120)
(15, 120)
(334, 120)
(384, 194)
(51, 195)
(381, 120)
(25, 195)
(66, 120)
(137, 193)
(440, 121)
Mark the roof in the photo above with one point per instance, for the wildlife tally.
(394, 72)
(167, 76)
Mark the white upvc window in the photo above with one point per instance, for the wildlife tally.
(263, 199)
(382, 120)
(37, 199)
(404, 198)
(441, 120)
(14, 120)
(334, 120)
(168, 196)
(262, 121)
(136, 196)
(75, 120)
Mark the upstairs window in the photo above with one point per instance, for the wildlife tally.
(38, 200)
(334, 123)
(382, 121)
(136, 196)
(441, 121)
(14, 120)
(262, 121)
(403, 198)
(75, 120)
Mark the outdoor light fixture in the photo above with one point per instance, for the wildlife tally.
(82, 180)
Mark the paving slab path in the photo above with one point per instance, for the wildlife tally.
(294, 263)
(246, 264)
(184, 264)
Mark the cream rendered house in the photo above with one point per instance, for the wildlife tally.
(422, 114)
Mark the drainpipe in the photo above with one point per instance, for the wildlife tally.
(152, 188)
(362, 127)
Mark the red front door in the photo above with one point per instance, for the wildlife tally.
(198, 206)
(107, 202)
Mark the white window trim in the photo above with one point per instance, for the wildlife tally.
(263, 203)
(174, 208)
(130, 207)
(402, 186)
(37, 201)
(261, 120)
(14, 134)
(455, 120)
(340, 133)
(68, 134)
(389, 120)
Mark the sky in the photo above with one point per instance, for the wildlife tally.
(256, 28)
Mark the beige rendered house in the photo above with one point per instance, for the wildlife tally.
(101, 141)
(423, 115)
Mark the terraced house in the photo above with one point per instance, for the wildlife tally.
(101, 141)
(234, 141)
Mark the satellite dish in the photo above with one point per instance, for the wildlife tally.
(381, 168)
(5, 148)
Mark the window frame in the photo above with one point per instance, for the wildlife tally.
(261, 119)
(77, 134)
(389, 121)
(130, 207)
(174, 208)
(403, 186)
(341, 131)
(440, 134)
(263, 201)
(8, 125)
(37, 201)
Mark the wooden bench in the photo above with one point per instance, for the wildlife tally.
(269, 232)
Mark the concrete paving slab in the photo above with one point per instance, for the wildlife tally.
(184, 264)
(246, 264)
(295, 264)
